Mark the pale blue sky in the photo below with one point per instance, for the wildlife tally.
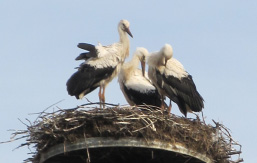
(216, 41)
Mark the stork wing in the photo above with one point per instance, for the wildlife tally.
(98, 51)
(149, 97)
(86, 46)
(141, 91)
(89, 47)
(86, 79)
(112, 49)
(185, 90)
(86, 56)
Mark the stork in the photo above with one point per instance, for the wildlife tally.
(137, 88)
(173, 81)
(102, 64)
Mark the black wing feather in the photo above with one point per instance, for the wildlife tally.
(86, 46)
(89, 47)
(172, 96)
(186, 92)
(87, 78)
(186, 89)
(86, 56)
(150, 98)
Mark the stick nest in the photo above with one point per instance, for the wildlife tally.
(69, 125)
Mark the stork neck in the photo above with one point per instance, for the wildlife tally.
(131, 66)
(124, 40)
(134, 62)
(158, 59)
(123, 35)
(162, 61)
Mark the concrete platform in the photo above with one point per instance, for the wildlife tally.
(122, 150)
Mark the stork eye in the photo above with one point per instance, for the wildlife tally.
(124, 26)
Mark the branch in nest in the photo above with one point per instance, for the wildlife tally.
(141, 121)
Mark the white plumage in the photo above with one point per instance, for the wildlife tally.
(135, 85)
(102, 64)
(138, 82)
(173, 81)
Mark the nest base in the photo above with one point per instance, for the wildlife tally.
(59, 130)
(109, 150)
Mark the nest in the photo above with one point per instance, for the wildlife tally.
(69, 125)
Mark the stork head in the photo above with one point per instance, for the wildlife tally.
(124, 26)
(142, 54)
(167, 52)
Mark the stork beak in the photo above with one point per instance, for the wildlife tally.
(143, 67)
(166, 60)
(128, 31)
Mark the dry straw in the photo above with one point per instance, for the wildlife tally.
(69, 125)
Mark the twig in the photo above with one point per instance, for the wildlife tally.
(23, 122)
(47, 109)
(88, 154)
(61, 125)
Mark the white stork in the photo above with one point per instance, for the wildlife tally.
(173, 81)
(102, 64)
(137, 88)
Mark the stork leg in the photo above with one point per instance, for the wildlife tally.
(103, 96)
(100, 96)
(163, 105)
(169, 109)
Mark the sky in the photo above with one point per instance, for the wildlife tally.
(214, 40)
